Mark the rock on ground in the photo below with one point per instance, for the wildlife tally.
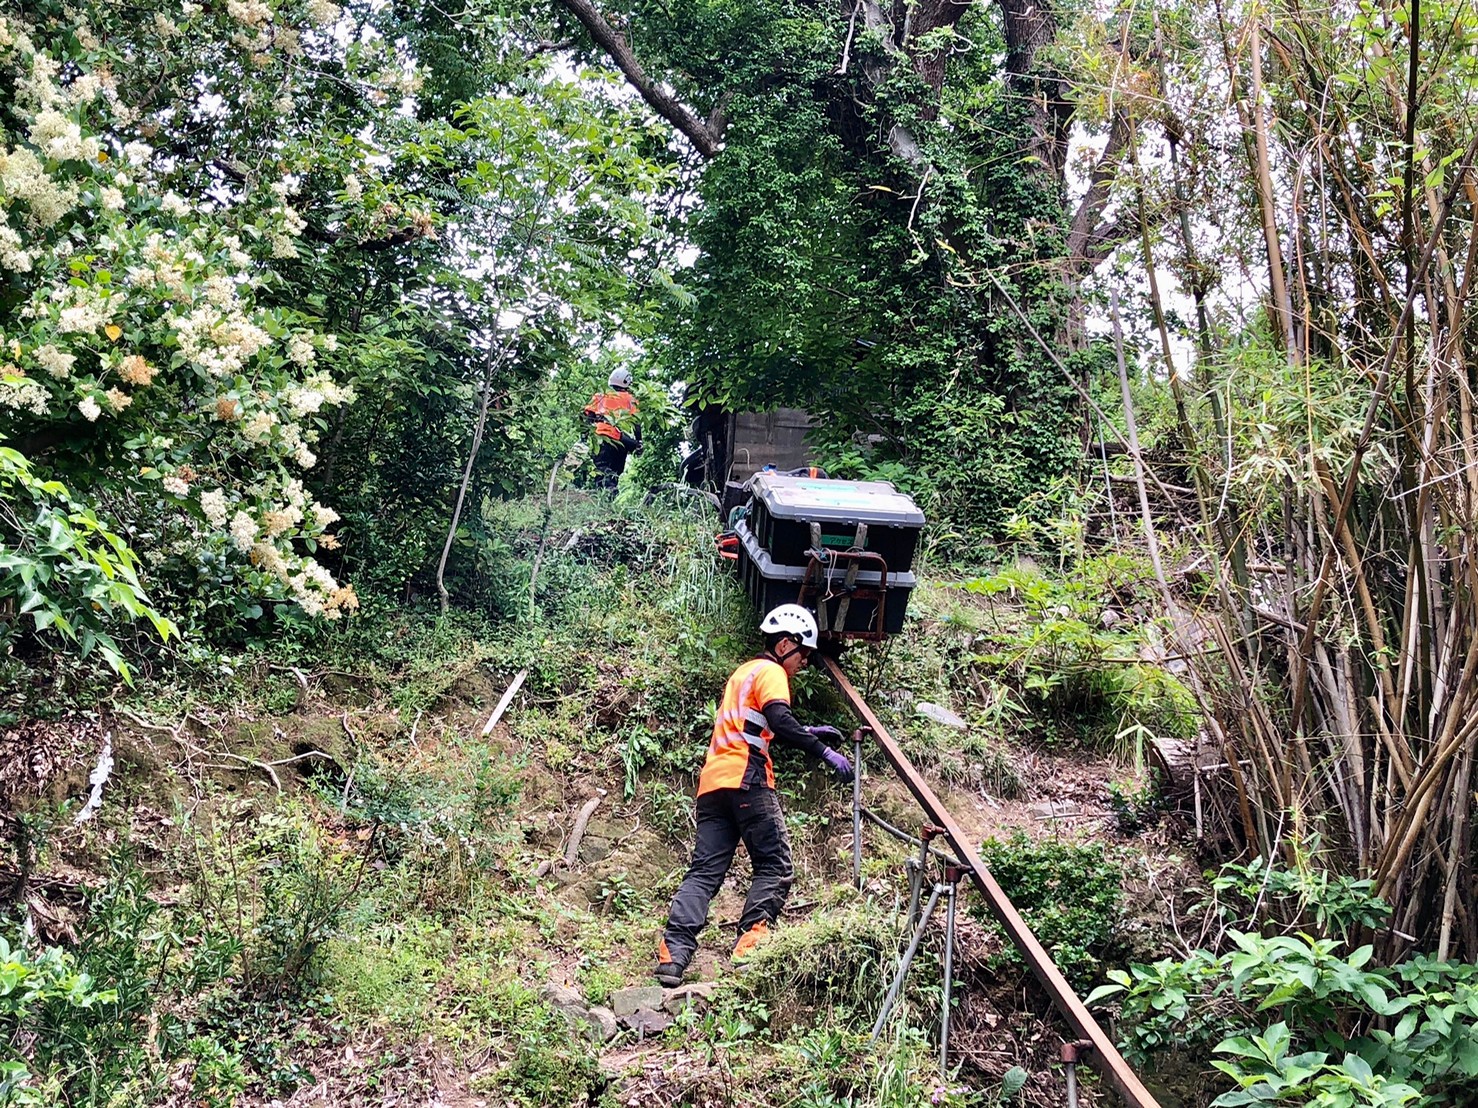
(646, 1021)
(626, 1001)
(698, 995)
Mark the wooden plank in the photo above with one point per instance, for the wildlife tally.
(502, 707)
(1104, 1056)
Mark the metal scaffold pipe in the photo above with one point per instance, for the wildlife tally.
(913, 948)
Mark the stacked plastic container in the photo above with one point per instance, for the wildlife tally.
(779, 538)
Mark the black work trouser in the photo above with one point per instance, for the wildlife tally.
(610, 463)
(727, 817)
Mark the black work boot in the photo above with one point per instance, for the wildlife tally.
(668, 973)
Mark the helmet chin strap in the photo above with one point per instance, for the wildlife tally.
(780, 658)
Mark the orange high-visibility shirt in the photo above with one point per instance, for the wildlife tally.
(609, 403)
(740, 725)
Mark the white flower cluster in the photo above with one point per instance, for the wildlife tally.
(315, 392)
(60, 138)
(219, 341)
(82, 310)
(243, 531)
(237, 256)
(293, 442)
(258, 428)
(165, 266)
(254, 13)
(213, 506)
(55, 362)
(187, 286)
(220, 290)
(86, 88)
(23, 177)
(13, 255)
(37, 89)
(300, 350)
(323, 12)
(290, 226)
(310, 584)
(21, 393)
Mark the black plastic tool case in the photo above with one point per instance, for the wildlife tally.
(784, 508)
(770, 583)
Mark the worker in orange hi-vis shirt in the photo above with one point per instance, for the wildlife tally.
(736, 793)
(604, 410)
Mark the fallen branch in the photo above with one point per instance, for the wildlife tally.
(572, 849)
(255, 763)
(302, 679)
(543, 537)
(263, 766)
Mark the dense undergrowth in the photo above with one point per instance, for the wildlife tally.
(312, 838)
(313, 873)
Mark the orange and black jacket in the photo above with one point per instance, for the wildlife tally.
(604, 404)
(754, 711)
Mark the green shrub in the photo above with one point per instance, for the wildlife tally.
(1069, 894)
(831, 961)
(670, 811)
(1300, 1020)
(1305, 894)
(1077, 678)
(219, 1076)
(282, 886)
(1137, 809)
(28, 982)
(1360, 1036)
(151, 962)
(543, 1060)
(387, 973)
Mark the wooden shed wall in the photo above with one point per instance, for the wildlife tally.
(775, 438)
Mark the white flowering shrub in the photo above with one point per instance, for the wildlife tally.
(220, 222)
(136, 360)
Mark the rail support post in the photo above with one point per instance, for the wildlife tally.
(1071, 1052)
(917, 869)
(857, 805)
(1105, 1055)
(952, 875)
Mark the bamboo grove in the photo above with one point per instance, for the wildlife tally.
(1302, 204)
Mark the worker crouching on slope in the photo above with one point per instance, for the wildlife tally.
(604, 409)
(736, 793)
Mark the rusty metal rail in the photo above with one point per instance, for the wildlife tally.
(1103, 1055)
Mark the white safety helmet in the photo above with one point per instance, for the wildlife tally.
(619, 379)
(793, 620)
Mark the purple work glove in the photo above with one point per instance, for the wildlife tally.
(825, 734)
(839, 764)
